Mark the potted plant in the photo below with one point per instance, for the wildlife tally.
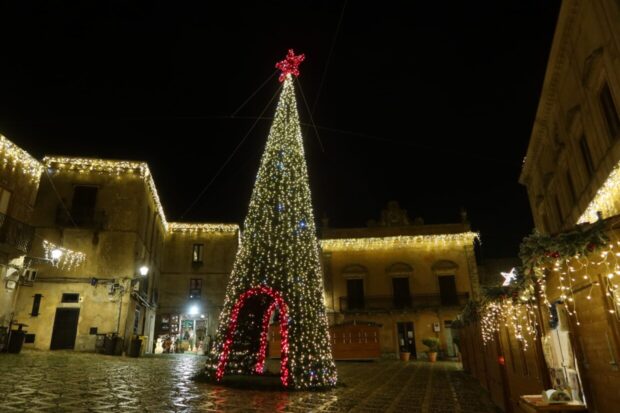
(433, 345)
(404, 353)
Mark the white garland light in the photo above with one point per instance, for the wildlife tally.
(109, 167)
(62, 257)
(606, 200)
(17, 158)
(191, 228)
(402, 241)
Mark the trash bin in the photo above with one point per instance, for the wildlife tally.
(134, 348)
(109, 344)
(16, 340)
(100, 344)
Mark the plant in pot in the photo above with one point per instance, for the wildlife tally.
(433, 345)
(404, 353)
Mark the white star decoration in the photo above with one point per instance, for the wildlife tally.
(508, 277)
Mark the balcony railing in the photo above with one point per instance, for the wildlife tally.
(379, 303)
(83, 218)
(15, 233)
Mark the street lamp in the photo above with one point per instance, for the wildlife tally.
(193, 310)
(144, 270)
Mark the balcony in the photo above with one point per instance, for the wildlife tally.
(385, 303)
(15, 234)
(82, 218)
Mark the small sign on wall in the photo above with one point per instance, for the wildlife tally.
(436, 327)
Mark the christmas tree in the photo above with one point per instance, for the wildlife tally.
(277, 273)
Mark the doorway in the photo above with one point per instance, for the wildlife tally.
(65, 328)
(406, 337)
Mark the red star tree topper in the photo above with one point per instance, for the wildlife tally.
(290, 64)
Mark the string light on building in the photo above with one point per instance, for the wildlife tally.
(606, 200)
(191, 228)
(12, 156)
(62, 257)
(115, 168)
(458, 239)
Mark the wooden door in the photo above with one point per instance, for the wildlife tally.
(65, 328)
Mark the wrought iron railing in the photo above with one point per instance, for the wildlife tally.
(15, 233)
(380, 303)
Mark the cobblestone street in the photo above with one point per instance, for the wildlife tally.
(76, 382)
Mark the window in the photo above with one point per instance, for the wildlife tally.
(5, 197)
(197, 253)
(447, 290)
(195, 288)
(70, 298)
(402, 298)
(83, 205)
(36, 304)
(355, 294)
(586, 155)
(571, 186)
(609, 111)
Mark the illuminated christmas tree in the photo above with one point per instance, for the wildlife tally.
(277, 273)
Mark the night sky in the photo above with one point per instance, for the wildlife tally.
(430, 105)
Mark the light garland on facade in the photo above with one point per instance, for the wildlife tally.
(109, 167)
(15, 157)
(278, 257)
(67, 260)
(191, 228)
(516, 315)
(141, 170)
(606, 200)
(403, 241)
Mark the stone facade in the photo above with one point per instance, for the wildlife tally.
(571, 173)
(415, 278)
(19, 182)
(197, 263)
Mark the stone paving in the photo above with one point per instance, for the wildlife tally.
(80, 382)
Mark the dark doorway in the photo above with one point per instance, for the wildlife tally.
(355, 294)
(402, 298)
(406, 337)
(65, 328)
(447, 290)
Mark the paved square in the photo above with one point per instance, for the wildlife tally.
(81, 382)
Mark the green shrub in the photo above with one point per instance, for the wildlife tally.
(432, 343)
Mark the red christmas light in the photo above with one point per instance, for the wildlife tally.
(290, 64)
(279, 302)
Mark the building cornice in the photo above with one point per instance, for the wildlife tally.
(558, 58)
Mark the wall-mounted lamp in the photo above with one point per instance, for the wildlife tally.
(56, 254)
(144, 270)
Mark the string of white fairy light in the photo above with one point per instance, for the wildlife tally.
(62, 257)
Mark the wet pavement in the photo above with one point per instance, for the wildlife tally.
(81, 382)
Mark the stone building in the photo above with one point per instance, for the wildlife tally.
(19, 183)
(96, 263)
(572, 176)
(412, 279)
(110, 212)
(197, 263)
